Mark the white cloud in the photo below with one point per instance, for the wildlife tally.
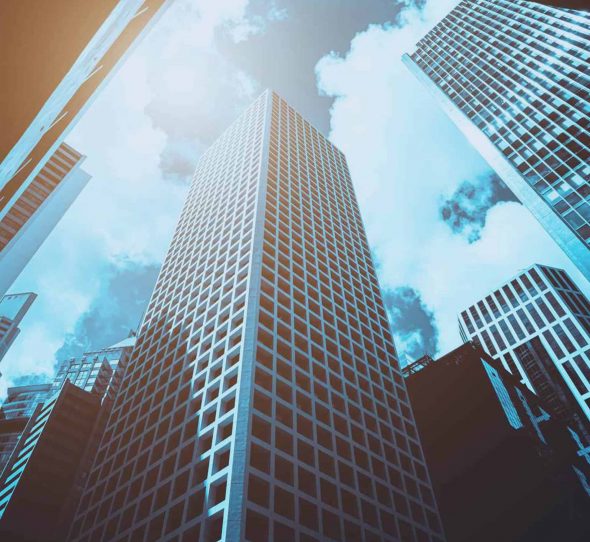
(405, 156)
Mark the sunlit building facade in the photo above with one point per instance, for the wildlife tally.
(515, 78)
(538, 326)
(263, 400)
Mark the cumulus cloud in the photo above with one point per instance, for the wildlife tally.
(406, 157)
(412, 322)
(466, 210)
(195, 91)
(114, 312)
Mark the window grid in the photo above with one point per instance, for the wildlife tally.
(322, 369)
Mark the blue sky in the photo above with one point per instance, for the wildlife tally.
(443, 228)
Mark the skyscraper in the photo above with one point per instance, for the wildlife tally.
(18, 407)
(515, 78)
(99, 372)
(36, 485)
(62, 51)
(13, 308)
(263, 399)
(39, 208)
(55, 57)
(502, 467)
(21, 401)
(538, 326)
(43, 443)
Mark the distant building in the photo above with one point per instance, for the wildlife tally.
(83, 386)
(36, 485)
(13, 308)
(514, 76)
(502, 467)
(34, 214)
(21, 401)
(538, 326)
(18, 407)
(117, 356)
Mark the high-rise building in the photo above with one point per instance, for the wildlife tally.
(501, 466)
(39, 208)
(538, 326)
(57, 55)
(515, 78)
(63, 52)
(263, 399)
(36, 485)
(21, 401)
(18, 407)
(85, 385)
(13, 308)
(99, 372)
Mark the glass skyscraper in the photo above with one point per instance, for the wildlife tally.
(97, 372)
(263, 399)
(515, 78)
(538, 326)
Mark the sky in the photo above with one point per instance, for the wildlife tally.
(443, 228)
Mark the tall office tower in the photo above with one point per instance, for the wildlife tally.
(13, 308)
(515, 78)
(538, 325)
(17, 409)
(36, 212)
(36, 485)
(501, 466)
(263, 399)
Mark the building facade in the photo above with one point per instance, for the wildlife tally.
(538, 326)
(99, 372)
(263, 400)
(13, 308)
(18, 407)
(515, 78)
(501, 466)
(36, 484)
(35, 213)
(63, 53)
(60, 71)
(21, 401)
